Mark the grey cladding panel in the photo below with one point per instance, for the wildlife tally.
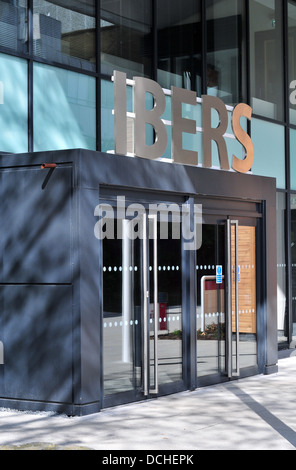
(36, 331)
(35, 215)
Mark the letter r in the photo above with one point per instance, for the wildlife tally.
(216, 134)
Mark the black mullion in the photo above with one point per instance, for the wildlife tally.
(248, 53)
(203, 46)
(285, 61)
(154, 65)
(98, 79)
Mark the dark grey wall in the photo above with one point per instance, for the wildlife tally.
(36, 284)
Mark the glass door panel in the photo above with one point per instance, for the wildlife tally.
(142, 309)
(226, 300)
(210, 311)
(166, 290)
(122, 305)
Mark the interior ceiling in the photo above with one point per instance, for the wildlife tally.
(86, 7)
(172, 13)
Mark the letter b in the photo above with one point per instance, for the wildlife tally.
(153, 117)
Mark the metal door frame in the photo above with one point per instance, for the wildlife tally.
(146, 301)
(232, 272)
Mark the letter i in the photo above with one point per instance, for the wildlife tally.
(120, 119)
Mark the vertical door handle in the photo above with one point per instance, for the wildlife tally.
(153, 218)
(230, 223)
(145, 301)
(229, 301)
(235, 223)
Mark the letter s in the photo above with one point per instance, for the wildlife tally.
(242, 166)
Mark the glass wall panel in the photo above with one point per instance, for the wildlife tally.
(266, 49)
(64, 109)
(293, 158)
(179, 44)
(13, 24)
(269, 144)
(122, 314)
(292, 58)
(293, 245)
(226, 58)
(13, 104)
(107, 118)
(64, 32)
(282, 310)
(126, 37)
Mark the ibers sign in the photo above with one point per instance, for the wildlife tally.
(143, 116)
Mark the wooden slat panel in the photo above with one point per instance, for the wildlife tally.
(247, 285)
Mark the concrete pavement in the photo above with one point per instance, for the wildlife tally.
(257, 413)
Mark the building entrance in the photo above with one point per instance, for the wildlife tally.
(142, 309)
(148, 342)
(123, 306)
(227, 299)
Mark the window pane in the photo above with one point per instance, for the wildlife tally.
(179, 44)
(269, 144)
(13, 104)
(293, 158)
(266, 47)
(292, 59)
(107, 117)
(65, 34)
(283, 324)
(13, 24)
(64, 110)
(126, 37)
(226, 56)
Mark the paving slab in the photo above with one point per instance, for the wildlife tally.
(256, 413)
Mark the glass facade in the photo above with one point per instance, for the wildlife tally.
(293, 159)
(179, 44)
(226, 53)
(57, 58)
(266, 58)
(269, 141)
(126, 37)
(14, 25)
(14, 104)
(282, 307)
(65, 32)
(64, 111)
(291, 60)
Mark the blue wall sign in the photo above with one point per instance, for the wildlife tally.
(219, 272)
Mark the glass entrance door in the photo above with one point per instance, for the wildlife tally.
(163, 365)
(142, 310)
(226, 300)
(242, 299)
